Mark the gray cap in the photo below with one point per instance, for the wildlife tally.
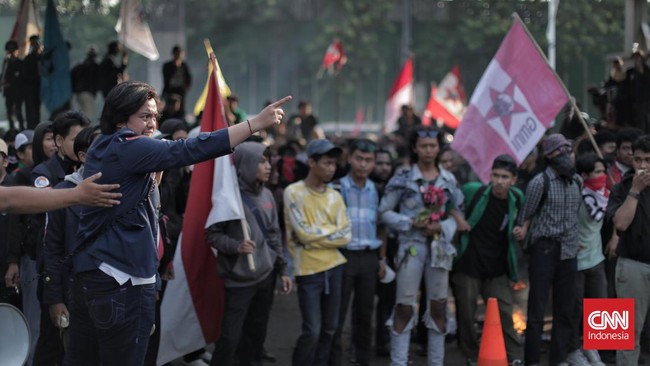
(322, 147)
(24, 138)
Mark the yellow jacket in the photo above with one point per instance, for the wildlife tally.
(317, 225)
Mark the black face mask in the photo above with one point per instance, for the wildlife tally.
(563, 165)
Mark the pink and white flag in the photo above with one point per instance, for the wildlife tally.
(400, 94)
(449, 95)
(192, 308)
(513, 104)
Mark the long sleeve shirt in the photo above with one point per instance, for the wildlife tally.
(317, 225)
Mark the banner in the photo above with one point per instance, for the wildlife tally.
(513, 105)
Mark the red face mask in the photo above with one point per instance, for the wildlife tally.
(596, 184)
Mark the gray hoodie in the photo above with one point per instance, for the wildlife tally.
(227, 236)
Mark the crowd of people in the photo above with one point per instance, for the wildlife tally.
(392, 227)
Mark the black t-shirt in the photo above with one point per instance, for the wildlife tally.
(486, 253)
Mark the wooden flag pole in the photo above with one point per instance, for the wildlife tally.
(244, 223)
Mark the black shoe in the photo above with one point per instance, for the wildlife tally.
(268, 357)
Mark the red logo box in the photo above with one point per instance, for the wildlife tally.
(608, 324)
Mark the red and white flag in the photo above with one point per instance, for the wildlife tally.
(133, 30)
(447, 100)
(437, 110)
(334, 57)
(513, 104)
(192, 307)
(400, 94)
(26, 25)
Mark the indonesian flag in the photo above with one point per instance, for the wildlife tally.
(26, 26)
(133, 30)
(513, 104)
(334, 56)
(447, 101)
(400, 94)
(192, 307)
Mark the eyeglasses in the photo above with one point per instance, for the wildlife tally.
(427, 133)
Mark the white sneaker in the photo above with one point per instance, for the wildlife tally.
(576, 358)
(206, 356)
(593, 357)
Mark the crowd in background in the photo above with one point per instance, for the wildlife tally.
(393, 225)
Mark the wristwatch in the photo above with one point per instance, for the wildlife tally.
(634, 194)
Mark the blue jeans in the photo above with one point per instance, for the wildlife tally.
(109, 324)
(319, 297)
(547, 271)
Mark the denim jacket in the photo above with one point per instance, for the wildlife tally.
(402, 202)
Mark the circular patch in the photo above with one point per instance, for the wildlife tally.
(41, 182)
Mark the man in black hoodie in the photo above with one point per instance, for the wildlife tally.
(248, 294)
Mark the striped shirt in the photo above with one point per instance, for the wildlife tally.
(362, 204)
(558, 217)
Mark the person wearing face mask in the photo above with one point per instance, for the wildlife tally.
(49, 349)
(553, 197)
(591, 280)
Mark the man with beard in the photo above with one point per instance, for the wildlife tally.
(553, 198)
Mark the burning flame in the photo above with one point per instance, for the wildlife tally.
(519, 321)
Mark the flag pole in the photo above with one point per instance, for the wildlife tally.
(244, 223)
(566, 91)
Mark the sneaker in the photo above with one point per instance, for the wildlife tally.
(576, 358)
(206, 356)
(593, 357)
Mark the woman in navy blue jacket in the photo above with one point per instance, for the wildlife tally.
(115, 271)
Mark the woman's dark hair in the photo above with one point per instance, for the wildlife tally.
(38, 155)
(84, 139)
(422, 132)
(123, 101)
(586, 163)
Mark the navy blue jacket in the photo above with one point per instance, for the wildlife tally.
(45, 175)
(60, 234)
(124, 236)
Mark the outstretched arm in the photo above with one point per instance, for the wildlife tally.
(24, 200)
(269, 116)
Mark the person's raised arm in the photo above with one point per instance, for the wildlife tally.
(269, 116)
(24, 200)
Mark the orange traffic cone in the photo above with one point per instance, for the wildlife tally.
(493, 348)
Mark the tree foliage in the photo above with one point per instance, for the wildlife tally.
(269, 48)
